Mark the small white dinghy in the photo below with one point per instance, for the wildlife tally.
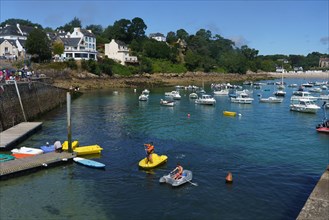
(186, 177)
(89, 163)
(27, 150)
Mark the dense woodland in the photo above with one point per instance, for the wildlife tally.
(182, 51)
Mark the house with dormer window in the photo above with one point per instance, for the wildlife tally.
(12, 40)
(118, 51)
(78, 45)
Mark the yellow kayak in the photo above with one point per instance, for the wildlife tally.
(227, 113)
(85, 150)
(65, 145)
(157, 160)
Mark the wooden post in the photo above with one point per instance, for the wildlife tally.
(69, 134)
(20, 100)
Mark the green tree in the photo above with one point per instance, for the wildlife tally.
(158, 50)
(69, 27)
(171, 37)
(38, 45)
(137, 29)
(96, 29)
(14, 21)
(249, 54)
(192, 60)
(58, 47)
(119, 31)
(182, 34)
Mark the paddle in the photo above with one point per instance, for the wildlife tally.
(194, 184)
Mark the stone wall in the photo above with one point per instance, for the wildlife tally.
(37, 98)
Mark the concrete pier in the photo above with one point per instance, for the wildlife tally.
(317, 204)
(21, 166)
(14, 135)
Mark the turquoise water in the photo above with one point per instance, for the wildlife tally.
(275, 155)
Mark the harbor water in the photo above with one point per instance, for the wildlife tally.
(275, 156)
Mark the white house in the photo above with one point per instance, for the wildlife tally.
(324, 62)
(158, 37)
(119, 52)
(78, 45)
(12, 40)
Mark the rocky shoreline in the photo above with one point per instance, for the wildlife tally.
(87, 81)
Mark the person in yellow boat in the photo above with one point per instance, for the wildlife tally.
(149, 148)
(179, 171)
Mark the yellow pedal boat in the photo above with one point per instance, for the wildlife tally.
(157, 160)
(65, 145)
(85, 150)
(227, 113)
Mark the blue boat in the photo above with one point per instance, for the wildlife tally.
(47, 149)
(89, 163)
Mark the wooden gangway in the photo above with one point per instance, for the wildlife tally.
(14, 135)
(42, 161)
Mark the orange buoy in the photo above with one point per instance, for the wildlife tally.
(229, 178)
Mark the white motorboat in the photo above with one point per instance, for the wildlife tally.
(173, 94)
(316, 90)
(323, 97)
(193, 95)
(303, 95)
(143, 97)
(205, 100)
(304, 105)
(293, 85)
(221, 92)
(146, 92)
(167, 103)
(271, 99)
(280, 93)
(242, 98)
(307, 85)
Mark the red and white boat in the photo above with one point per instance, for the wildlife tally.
(27, 150)
(323, 127)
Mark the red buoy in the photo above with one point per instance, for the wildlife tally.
(229, 178)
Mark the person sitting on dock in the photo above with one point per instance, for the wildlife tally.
(179, 172)
(149, 148)
(58, 146)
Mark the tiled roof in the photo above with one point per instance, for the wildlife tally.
(12, 30)
(120, 43)
(72, 42)
(12, 42)
(9, 30)
(156, 35)
(87, 33)
(22, 42)
(26, 29)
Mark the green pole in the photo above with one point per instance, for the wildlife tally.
(69, 133)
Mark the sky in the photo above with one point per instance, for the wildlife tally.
(297, 27)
